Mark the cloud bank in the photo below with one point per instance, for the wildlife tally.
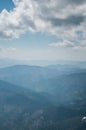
(64, 19)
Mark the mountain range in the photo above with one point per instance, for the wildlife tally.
(42, 98)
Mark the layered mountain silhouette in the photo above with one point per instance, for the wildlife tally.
(42, 98)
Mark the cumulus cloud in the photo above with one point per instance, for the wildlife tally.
(64, 19)
(62, 44)
(68, 44)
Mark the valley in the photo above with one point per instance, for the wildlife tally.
(42, 98)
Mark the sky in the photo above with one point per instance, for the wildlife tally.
(43, 29)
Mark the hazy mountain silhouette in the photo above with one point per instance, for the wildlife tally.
(52, 98)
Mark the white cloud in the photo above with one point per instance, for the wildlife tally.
(7, 52)
(64, 19)
(62, 44)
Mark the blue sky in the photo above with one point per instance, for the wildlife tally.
(49, 30)
(7, 4)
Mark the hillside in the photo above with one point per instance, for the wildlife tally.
(18, 105)
(54, 100)
(56, 81)
(22, 109)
